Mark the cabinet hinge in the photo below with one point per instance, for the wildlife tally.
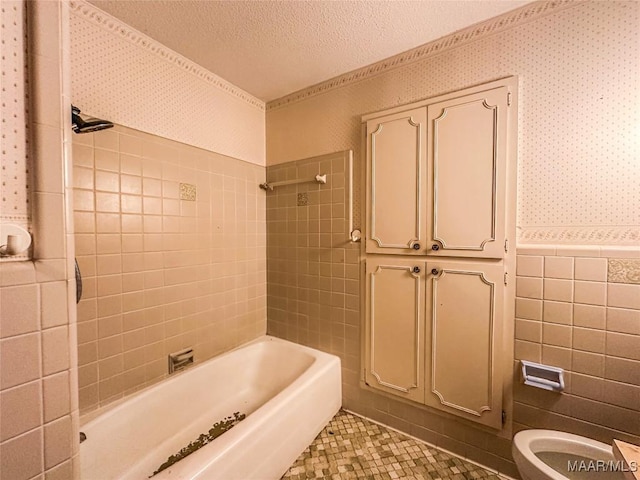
(506, 245)
(504, 417)
(506, 277)
(509, 98)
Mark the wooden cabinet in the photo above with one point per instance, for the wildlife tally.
(466, 164)
(440, 211)
(396, 311)
(464, 339)
(396, 182)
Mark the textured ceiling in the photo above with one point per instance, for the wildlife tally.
(273, 48)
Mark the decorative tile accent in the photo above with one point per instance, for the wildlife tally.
(352, 447)
(624, 270)
(112, 24)
(580, 235)
(187, 192)
(437, 47)
(303, 199)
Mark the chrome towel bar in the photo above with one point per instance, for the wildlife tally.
(270, 186)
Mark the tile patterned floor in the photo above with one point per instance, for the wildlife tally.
(352, 447)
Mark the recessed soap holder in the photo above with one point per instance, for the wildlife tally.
(543, 376)
(180, 360)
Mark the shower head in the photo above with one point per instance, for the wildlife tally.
(87, 124)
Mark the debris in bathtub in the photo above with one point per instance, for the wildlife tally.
(214, 432)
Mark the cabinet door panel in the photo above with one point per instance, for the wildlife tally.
(467, 174)
(395, 182)
(395, 328)
(464, 375)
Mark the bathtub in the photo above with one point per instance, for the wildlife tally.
(287, 391)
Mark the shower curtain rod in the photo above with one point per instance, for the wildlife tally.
(269, 186)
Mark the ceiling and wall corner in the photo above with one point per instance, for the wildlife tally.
(579, 102)
(123, 75)
(272, 48)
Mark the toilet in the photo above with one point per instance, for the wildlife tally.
(553, 455)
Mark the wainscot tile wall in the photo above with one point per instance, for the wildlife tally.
(171, 243)
(38, 375)
(314, 299)
(313, 270)
(578, 308)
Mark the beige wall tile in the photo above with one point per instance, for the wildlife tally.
(594, 293)
(529, 287)
(589, 316)
(107, 140)
(587, 387)
(23, 352)
(131, 184)
(55, 350)
(57, 441)
(621, 394)
(83, 200)
(528, 351)
(588, 340)
(558, 312)
(558, 335)
(588, 363)
(107, 202)
(63, 471)
(54, 304)
(530, 265)
(623, 295)
(56, 396)
(21, 409)
(556, 356)
(107, 181)
(591, 269)
(560, 290)
(19, 310)
(528, 330)
(558, 267)
(21, 457)
(530, 309)
(623, 320)
(623, 345)
(83, 178)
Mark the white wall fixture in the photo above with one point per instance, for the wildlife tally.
(13, 239)
(542, 376)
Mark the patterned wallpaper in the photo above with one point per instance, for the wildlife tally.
(14, 175)
(578, 113)
(122, 75)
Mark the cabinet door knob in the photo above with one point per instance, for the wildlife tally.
(434, 271)
(415, 269)
(435, 247)
(416, 246)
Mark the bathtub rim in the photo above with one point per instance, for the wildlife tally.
(116, 404)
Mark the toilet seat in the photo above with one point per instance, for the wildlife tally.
(527, 443)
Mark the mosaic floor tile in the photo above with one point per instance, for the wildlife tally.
(351, 447)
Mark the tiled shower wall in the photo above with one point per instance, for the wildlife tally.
(171, 243)
(312, 279)
(579, 309)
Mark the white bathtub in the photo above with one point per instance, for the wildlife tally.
(288, 392)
